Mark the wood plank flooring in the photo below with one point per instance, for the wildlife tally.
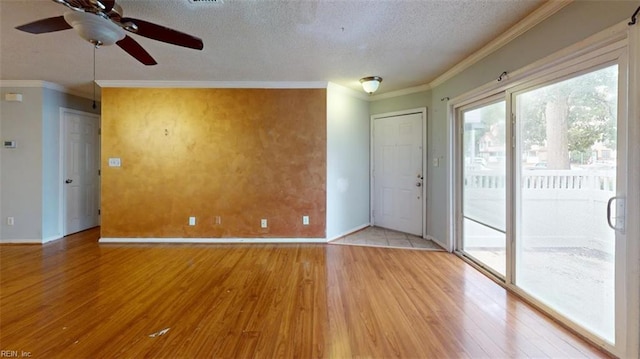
(75, 298)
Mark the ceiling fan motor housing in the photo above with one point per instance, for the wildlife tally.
(95, 28)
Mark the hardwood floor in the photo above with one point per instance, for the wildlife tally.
(75, 298)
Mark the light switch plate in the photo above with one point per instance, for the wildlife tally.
(115, 162)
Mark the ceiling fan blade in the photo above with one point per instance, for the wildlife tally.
(133, 48)
(162, 33)
(51, 24)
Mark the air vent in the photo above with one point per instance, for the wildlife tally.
(206, 1)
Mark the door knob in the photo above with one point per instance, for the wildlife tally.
(68, 181)
(418, 184)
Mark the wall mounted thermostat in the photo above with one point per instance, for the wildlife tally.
(9, 144)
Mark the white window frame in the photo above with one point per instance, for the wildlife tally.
(458, 182)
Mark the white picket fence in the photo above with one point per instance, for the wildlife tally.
(545, 179)
(561, 208)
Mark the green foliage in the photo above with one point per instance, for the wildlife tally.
(531, 115)
(591, 116)
(583, 106)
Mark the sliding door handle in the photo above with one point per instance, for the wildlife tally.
(620, 213)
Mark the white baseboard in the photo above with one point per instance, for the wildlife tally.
(51, 238)
(31, 241)
(21, 241)
(212, 240)
(438, 242)
(346, 233)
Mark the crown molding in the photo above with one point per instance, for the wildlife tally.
(215, 84)
(402, 92)
(537, 16)
(32, 84)
(347, 91)
(43, 84)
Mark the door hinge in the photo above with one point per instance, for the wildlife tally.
(98, 211)
(98, 172)
(99, 131)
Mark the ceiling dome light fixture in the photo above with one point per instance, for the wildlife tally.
(370, 84)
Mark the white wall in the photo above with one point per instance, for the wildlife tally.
(51, 228)
(21, 168)
(348, 145)
(29, 174)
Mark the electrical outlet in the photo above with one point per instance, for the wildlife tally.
(263, 223)
(192, 221)
(10, 221)
(305, 220)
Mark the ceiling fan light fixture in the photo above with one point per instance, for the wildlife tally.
(94, 29)
(101, 23)
(371, 83)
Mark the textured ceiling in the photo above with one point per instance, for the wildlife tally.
(408, 43)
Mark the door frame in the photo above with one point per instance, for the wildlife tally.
(62, 199)
(372, 201)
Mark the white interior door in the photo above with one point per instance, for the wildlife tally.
(398, 173)
(80, 170)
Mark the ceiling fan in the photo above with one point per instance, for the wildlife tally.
(101, 22)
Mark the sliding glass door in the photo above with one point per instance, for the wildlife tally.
(567, 146)
(483, 184)
(540, 177)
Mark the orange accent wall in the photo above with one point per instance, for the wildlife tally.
(241, 154)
